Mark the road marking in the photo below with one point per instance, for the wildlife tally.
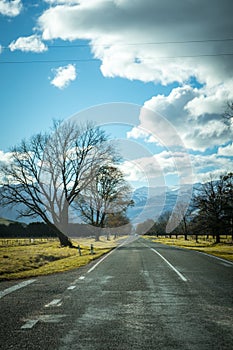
(30, 324)
(225, 264)
(42, 318)
(216, 257)
(71, 287)
(54, 302)
(15, 287)
(101, 260)
(81, 277)
(51, 318)
(171, 266)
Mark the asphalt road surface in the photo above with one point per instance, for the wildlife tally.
(142, 295)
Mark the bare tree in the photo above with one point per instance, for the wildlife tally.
(119, 223)
(182, 215)
(48, 172)
(107, 194)
(228, 202)
(210, 203)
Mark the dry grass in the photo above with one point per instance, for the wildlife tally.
(20, 261)
(223, 250)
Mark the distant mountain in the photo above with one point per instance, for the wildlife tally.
(151, 202)
(7, 222)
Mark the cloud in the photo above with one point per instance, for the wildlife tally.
(132, 38)
(167, 163)
(178, 119)
(226, 151)
(31, 43)
(10, 8)
(160, 41)
(141, 169)
(63, 76)
(5, 157)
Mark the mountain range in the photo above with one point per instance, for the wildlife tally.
(151, 202)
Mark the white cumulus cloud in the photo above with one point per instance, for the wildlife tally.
(226, 151)
(31, 43)
(5, 157)
(10, 8)
(63, 76)
(171, 123)
(160, 41)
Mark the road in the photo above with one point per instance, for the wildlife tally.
(142, 295)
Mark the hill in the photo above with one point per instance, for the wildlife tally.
(7, 222)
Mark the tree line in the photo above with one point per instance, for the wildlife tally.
(42, 230)
(210, 212)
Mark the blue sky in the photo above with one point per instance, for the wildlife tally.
(58, 58)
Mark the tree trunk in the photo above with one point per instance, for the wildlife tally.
(97, 233)
(185, 230)
(217, 240)
(62, 228)
(64, 240)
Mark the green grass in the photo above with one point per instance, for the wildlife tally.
(29, 260)
(222, 250)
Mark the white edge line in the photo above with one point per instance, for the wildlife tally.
(15, 287)
(171, 266)
(100, 261)
(215, 257)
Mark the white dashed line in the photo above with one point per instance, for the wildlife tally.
(71, 287)
(15, 287)
(30, 324)
(54, 302)
(81, 277)
(42, 318)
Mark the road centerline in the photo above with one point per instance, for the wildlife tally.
(30, 324)
(54, 302)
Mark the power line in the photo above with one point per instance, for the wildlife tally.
(96, 59)
(50, 61)
(137, 43)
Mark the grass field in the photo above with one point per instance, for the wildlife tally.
(20, 259)
(222, 250)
